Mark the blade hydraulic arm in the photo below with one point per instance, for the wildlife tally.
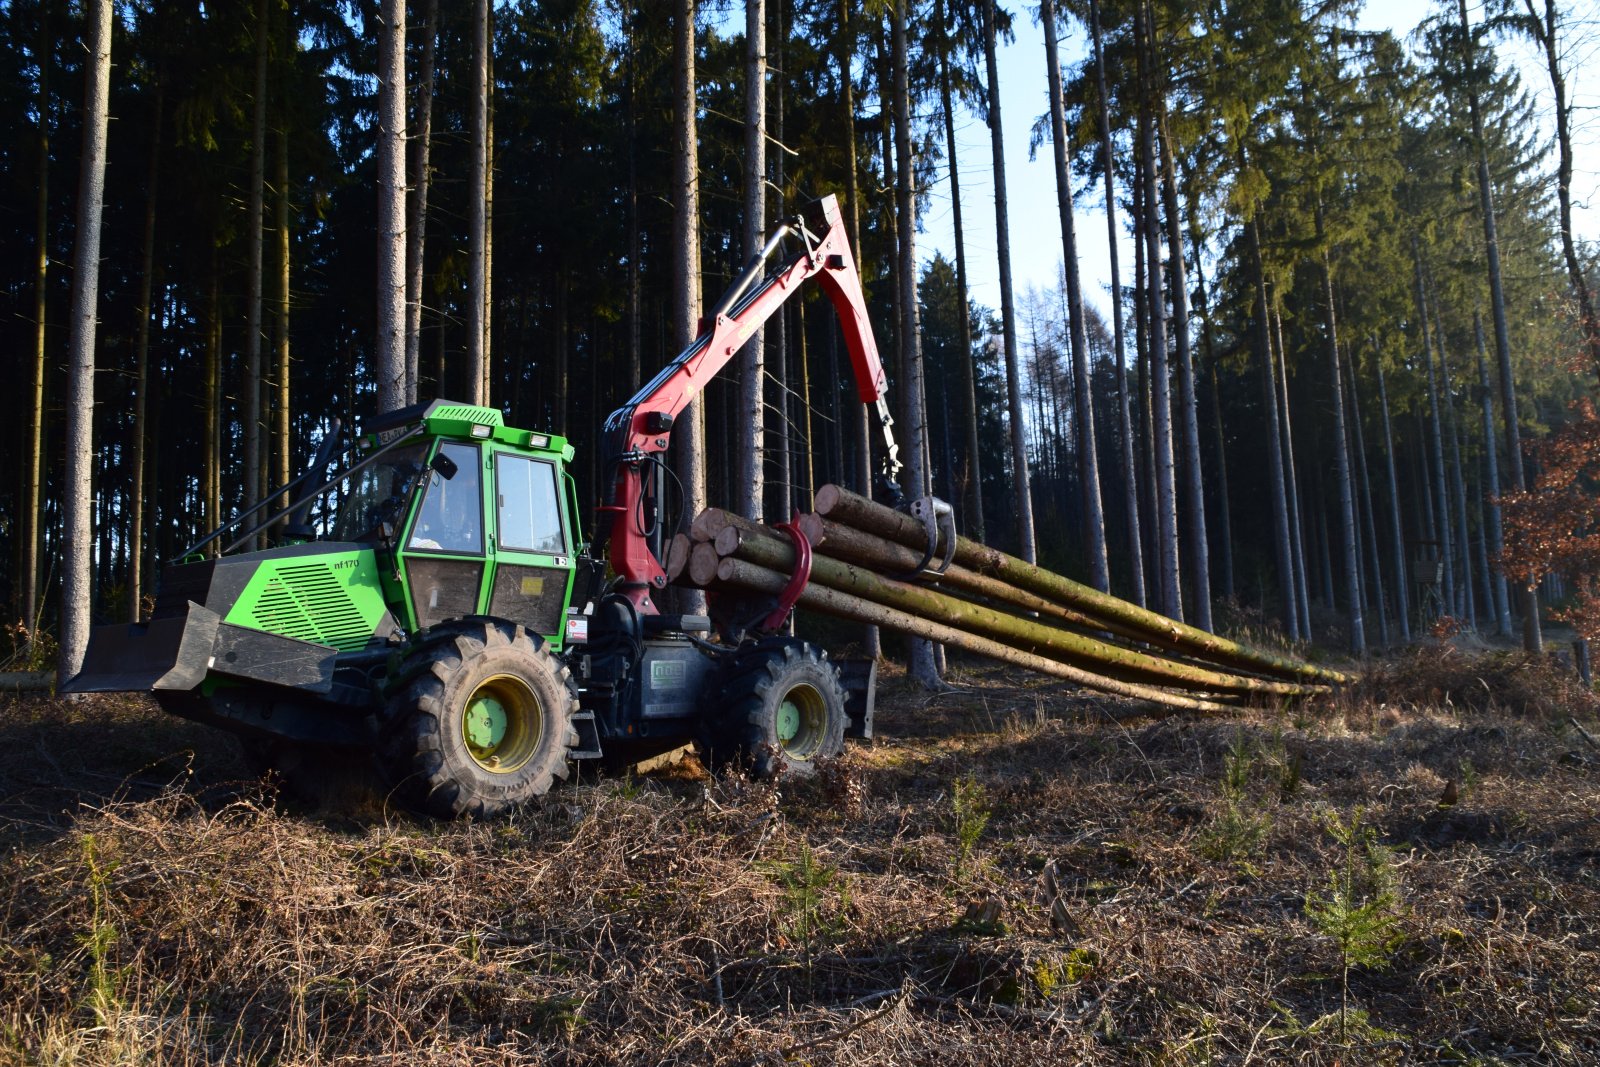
(642, 429)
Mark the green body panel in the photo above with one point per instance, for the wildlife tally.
(334, 599)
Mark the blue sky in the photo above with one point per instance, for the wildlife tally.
(1030, 185)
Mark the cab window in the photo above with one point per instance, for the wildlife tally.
(530, 512)
(451, 516)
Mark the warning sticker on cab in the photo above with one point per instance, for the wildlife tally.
(577, 627)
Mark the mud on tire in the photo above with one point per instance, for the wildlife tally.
(480, 720)
(782, 709)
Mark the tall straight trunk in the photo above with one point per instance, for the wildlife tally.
(748, 482)
(1545, 29)
(284, 454)
(1026, 538)
(860, 427)
(488, 215)
(783, 432)
(141, 360)
(1188, 404)
(477, 366)
(1297, 525)
(77, 540)
(685, 293)
(1141, 344)
(923, 669)
(1368, 515)
(1491, 493)
(250, 415)
(1348, 537)
(33, 502)
(1441, 498)
(1171, 599)
(1275, 465)
(1527, 598)
(1130, 486)
(421, 178)
(1093, 513)
(211, 377)
(1466, 596)
(632, 373)
(1401, 590)
(390, 365)
(1225, 534)
(972, 521)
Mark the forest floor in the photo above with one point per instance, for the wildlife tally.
(1009, 873)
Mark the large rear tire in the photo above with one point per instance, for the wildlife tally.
(782, 709)
(481, 721)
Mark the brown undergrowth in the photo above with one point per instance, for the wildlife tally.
(1010, 871)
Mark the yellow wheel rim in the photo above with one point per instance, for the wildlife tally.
(802, 721)
(503, 724)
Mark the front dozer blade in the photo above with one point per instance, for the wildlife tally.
(170, 653)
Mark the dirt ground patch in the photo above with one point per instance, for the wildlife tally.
(1010, 870)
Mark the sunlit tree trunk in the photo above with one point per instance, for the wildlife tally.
(77, 539)
(1291, 477)
(1130, 481)
(284, 412)
(1348, 537)
(33, 503)
(390, 366)
(1289, 589)
(749, 460)
(923, 669)
(1026, 539)
(1093, 513)
(421, 179)
(690, 437)
(477, 362)
(1188, 405)
(250, 413)
(972, 519)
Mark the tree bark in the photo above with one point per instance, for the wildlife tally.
(77, 539)
(749, 481)
(1169, 584)
(1289, 589)
(250, 414)
(1026, 539)
(1491, 476)
(1297, 514)
(685, 293)
(1188, 404)
(1466, 595)
(1528, 598)
(1441, 497)
(1347, 505)
(1093, 513)
(972, 520)
(417, 223)
(1402, 582)
(922, 669)
(390, 364)
(1369, 516)
(1130, 481)
(33, 504)
(141, 358)
(477, 367)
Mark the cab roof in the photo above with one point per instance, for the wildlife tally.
(469, 422)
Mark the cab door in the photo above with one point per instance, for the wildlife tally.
(446, 548)
(532, 555)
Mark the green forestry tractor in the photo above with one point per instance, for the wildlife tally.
(431, 602)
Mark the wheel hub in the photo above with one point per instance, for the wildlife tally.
(788, 721)
(502, 724)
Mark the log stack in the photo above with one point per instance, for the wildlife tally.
(864, 556)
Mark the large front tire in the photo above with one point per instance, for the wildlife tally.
(783, 707)
(482, 721)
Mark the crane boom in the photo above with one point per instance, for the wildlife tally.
(639, 431)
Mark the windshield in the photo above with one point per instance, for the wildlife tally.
(377, 493)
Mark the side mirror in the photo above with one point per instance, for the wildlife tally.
(444, 466)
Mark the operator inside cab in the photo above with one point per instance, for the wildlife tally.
(450, 519)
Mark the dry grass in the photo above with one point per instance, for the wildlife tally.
(1137, 894)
